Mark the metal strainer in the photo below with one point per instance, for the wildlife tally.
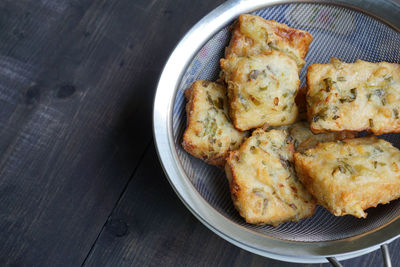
(350, 30)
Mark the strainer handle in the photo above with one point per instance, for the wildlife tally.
(386, 256)
(385, 253)
(334, 262)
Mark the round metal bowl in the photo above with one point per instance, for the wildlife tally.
(267, 241)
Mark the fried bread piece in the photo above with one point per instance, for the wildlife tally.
(261, 89)
(304, 138)
(210, 134)
(347, 177)
(253, 35)
(263, 183)
(354, 96)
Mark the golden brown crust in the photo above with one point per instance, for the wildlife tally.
(354, 96)
(350, 176)
(253, 35)
(262, 181)
(209, 134)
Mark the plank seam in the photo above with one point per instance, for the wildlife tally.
(118, 201)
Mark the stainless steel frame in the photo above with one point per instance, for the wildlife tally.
(315, 252)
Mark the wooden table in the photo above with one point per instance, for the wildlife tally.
(80, 182)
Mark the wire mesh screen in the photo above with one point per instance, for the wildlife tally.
(338, 32)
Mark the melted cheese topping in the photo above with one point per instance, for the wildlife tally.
(354, 96)
(210, 134)
(261, 90)
(350, 176)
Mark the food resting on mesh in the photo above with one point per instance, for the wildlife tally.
(304, 149)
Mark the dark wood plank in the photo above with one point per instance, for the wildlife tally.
(151, 227)
(77, 81)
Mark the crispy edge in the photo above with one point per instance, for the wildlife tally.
(233, 185)
(297, 38)
(310, 70)
(187, 144)
(232, 95)
(236, 39)
(371, 196)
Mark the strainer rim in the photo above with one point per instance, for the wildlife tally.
(314, 252)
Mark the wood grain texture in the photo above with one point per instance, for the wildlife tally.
(76, 92)
(151, 227)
